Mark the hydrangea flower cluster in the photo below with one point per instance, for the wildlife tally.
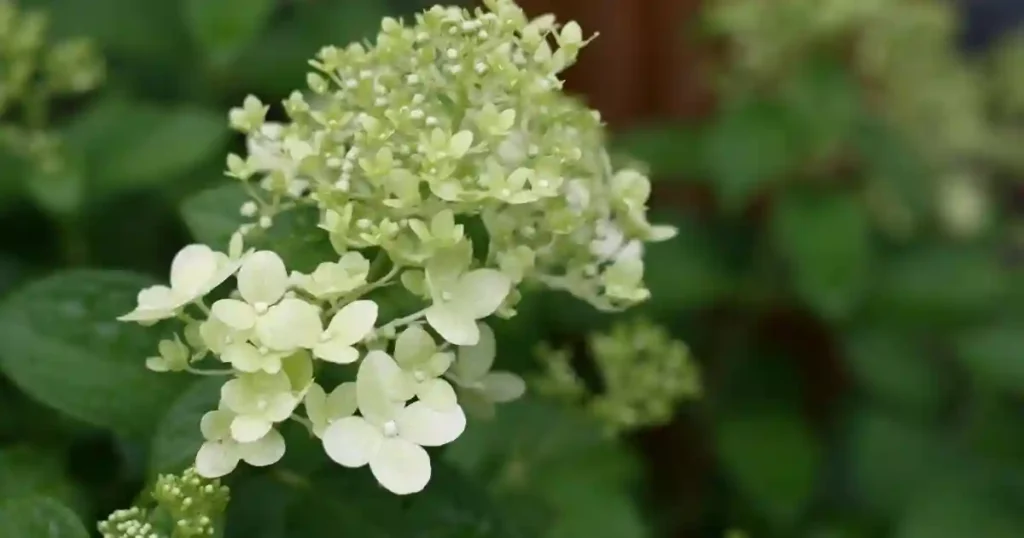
(644, 374)
(34, 70)
(444, 163)
(187, 506)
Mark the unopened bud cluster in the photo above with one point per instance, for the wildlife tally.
(188, 506)
(33, 71)
(644, 375)
(406, 150)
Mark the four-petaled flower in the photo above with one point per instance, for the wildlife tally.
(280, 323)
(348, 326)
(417, 354)
(323, 409)
(481, 386)
(390, 436)
(220, 454)
(259, 401)
(195, 271)
(460, 298)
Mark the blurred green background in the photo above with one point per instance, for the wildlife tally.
(847, 272)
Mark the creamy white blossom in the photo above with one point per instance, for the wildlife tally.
(195, 271)
(220, 453)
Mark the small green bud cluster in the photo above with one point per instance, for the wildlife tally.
(32, 72)
(187, 507)
(454, 122)
(643, 371)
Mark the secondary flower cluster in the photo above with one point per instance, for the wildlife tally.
(451, 126)
(187, 506)
(644, 374)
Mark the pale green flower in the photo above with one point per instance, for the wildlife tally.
(324, 409)
(216, 335)
(259, 400)
(390, 436)
(442, 233)
(278, 322)
(220, 453)
(418, 355)
(195, 271)
(348, 327)
(173, 357)
(623, 280)
(472, 373)
(250, 116)
(246, 357)
(460, 298)
(332, 279)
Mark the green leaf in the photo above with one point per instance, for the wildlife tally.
(223, 28)
(177, 437)
(29, 470)
(39, 517)
(893, 460)
(825, 102)
(347, 502)
(824, 240)
(992, 353)
(937, 284)
(891, 367)
(144, 33)
(670, 150)
(556, 468)
(61, 344)
(953, 511)
(129, 144)
(213, 216)
(276, 63)
(685, 272)
(774, 460)
(59, 192)
(747, 148)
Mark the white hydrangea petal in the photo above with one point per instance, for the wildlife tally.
(216, 425)
(262, 278)
(315, 403)
(438, 394)
(217, 459)
(376, 387)
(412, 346)
(158, 364)
(289, 325)
(475, 361)
(236, 314)
(280, 406)
(351, 441)
(265, 451)
(353, 322)
(192, 270)
(400, 466)
(237, 397)
(336, 352)
(426, 426)
(439, 363)
(476, 404)
(153, 304)
(298, 369)
(481, 292)
(502, 387)
(249, 428)
(341, 402)
(243, 357)
(452, 324)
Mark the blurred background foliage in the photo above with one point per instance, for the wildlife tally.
(846, 274)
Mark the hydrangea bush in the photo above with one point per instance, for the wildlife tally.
(443, 161)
